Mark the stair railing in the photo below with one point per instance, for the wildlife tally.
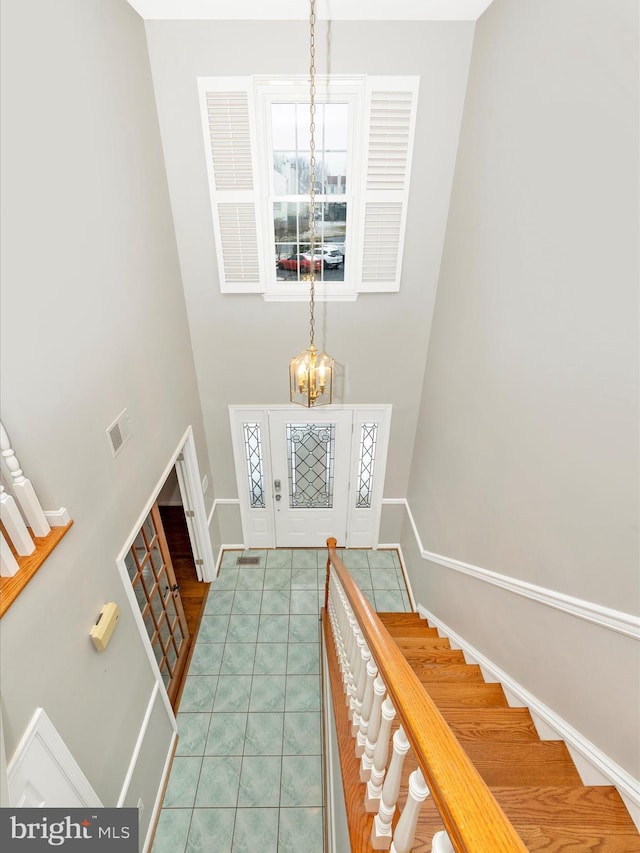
(371, 664)
(28, 534)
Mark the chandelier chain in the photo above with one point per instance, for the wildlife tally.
(312, 168)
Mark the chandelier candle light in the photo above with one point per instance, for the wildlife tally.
(311, 372)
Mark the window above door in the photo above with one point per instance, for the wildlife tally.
(256, 135)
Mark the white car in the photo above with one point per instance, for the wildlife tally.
(331, 257)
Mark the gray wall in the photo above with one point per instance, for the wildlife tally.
(238, 337)
(526, 462)
(93, 320)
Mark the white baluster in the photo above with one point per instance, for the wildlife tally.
(381, 829)
(406, 827)
(23, 489)
(379, 769)
(373, 730)
(344, 638)
(361, 683)
(441, 843)
(8, 563)
(349, 653)
(367, 703)
(348, 642)
(335, 608)
(354, 659)
(14, 525)
(355, 663)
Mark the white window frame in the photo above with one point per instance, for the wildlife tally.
(240, 173)
(296, 90)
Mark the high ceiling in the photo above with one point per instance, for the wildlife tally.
(337, 10)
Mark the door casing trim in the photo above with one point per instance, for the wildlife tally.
(382, 410)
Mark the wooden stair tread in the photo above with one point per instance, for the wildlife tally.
(491, 724)
(433, 655)
(471, 672)
(560, 821)
(409, 631)
(541, 763)
(576, 839)
(585, 805)
(414, 646)
(395, 618)
(466, 695)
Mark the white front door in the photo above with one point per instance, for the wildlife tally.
(307, 474)
(310, 456)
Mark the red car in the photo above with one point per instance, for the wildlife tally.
(301, 262)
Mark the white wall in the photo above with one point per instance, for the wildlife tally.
(526, 463)
(93, 320)
(242, 344)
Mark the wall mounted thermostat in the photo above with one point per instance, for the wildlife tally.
(105, 623)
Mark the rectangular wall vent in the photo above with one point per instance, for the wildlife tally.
(119, 432)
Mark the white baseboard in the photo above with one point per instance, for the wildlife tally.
(224, 548)
(592, 764)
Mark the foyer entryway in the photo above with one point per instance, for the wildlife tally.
(248, 768)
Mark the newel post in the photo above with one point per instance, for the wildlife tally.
(332, 544)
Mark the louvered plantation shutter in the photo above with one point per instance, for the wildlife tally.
(230, 146)
(390, 113)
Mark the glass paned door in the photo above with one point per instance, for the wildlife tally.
(154, 584)
(310, 468)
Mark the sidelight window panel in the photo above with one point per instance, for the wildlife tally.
(253, 458)
(367, 455)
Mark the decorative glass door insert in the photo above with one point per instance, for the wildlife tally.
(154, 583)
(310, 454)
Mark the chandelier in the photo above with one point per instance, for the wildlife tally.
(311, 372)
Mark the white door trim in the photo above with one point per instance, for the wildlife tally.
(258, 526)
(189, 482)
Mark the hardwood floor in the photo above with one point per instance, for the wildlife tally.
(193, 592)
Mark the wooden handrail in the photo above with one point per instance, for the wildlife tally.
(473, 819)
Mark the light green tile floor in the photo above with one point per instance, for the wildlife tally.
(247, 774)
